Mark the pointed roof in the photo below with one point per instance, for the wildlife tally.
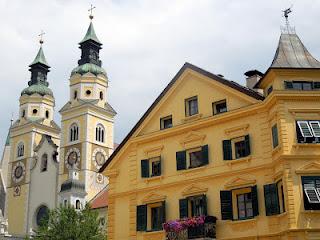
(40, 58)
(91, 35)
(8, 139)
(236, 86)
(291, 53)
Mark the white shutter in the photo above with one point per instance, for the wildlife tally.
(305, 129)
(315, 127)
(312, 195)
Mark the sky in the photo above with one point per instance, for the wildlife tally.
(145, 43)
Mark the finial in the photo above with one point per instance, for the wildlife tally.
(90, 10)
(288, 29)
(41, 37)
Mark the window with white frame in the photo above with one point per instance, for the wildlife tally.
(191, 106)
(100, 133)
(308, 131)
(74, 132)
(20, 150)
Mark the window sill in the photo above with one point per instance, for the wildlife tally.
(311, 211)
(239, 160)
(192, 118)
(276, 149)
(306, 145)
(193, 170)
(155, 178)
(280, 215)
(239, 221)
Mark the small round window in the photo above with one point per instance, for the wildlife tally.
(88, 92)
(34, 111)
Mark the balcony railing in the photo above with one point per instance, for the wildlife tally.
(192, 229)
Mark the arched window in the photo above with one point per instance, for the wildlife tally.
(44, 163)
(75, 95)
(74, 132)
(42, 214)
(101, 95)
(65, 202)
(78, 204)
(20, 150)
(47, 114)
(100, 133)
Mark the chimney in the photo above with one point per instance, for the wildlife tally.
(253, 76)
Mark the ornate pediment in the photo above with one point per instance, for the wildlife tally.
(194, 190)
(313, 168)
(193, 139)
(154, 151)
(240, 182)
(153, 197)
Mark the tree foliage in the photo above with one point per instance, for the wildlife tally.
(66, 223)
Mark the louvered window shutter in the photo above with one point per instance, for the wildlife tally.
(183, 208)
(226, 205)
(288, 85)
(247, 143)
(181, 160)
(142, 218)
(145, 168)
(275, 140)
(255, 203)
(227, 149)
(205, 155)
(204, 202)
(271, 199)
(163, 212)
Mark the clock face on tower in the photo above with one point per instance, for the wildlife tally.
(99, 156)
(18, 172)
(72, 158)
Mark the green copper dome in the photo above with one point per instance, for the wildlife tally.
(39, 89)
(89, 67)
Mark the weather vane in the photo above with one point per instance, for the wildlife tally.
(41, 37)
(90, 10)
(286, 13)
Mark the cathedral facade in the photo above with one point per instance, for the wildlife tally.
(44, 164)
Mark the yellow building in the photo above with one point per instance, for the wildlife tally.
(209, 146)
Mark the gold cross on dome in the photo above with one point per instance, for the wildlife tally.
(41, 36)
(90, 10)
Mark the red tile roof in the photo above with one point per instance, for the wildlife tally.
(100, 200)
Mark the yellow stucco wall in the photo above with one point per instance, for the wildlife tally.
(246, 115)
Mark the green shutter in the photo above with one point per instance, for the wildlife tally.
(205, 155)
(142, 218)
(288, 85)
(226, 205)
(255, 204)
(145, 168)
(227, 149)
(181, 160)
(204, 200)
(275, 141)
(183, 208)
(247, 143)
(163, 212)
(271, 199)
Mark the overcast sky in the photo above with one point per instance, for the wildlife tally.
(145, 42)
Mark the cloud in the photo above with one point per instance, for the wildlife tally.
(145, 44)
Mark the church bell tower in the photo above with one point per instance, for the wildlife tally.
(87, 119)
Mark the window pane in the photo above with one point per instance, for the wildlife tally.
(240, 149)
(195, 159)
(155, 218)
(307, 86)
(297, 85)
(156, 168)
(193, 106)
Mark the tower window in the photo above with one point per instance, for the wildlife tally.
(65, 202)
(88, 92)
(47, 114)
(78, 204)
(23, 113)
(74, 132)
(101, 95)
(34, 111)
(100, 133)
(75, 95)
(44, 163)
(42, 214)
(20, 150)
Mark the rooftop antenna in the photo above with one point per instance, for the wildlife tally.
(286, 13)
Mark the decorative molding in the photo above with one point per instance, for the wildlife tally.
(193, 139)
(111, 173)
(239, 130)
(153, 197)
(311, 168)
(240, 182)
(151, 179)
(154, 151)
(192, 118)
(194, 190)
(296, 112)
(276, 176)
(238, 161)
